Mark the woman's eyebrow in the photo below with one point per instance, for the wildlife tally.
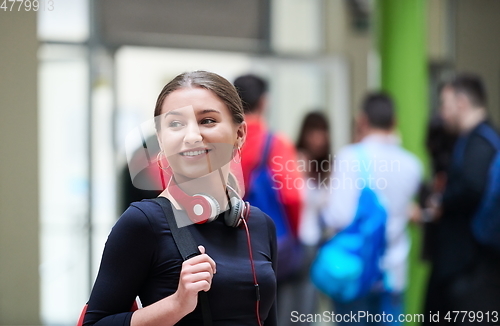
(210, 111)
(173, 112)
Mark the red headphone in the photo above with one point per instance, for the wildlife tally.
(203, 208)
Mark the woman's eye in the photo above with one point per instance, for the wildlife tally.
(175, 124)
(208, 121)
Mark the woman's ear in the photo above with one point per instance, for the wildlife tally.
(241, 134)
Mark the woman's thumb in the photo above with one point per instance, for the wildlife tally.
(201, 249)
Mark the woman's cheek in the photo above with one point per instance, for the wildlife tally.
(170, 144)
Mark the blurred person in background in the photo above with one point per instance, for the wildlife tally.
(145, 184)
(439, 145)
(282, 162)
(396, 176)
(313, 148)
(465, 274)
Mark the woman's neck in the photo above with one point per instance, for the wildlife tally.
(212, 184)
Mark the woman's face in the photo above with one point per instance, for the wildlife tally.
(316, 141)
(197, 134)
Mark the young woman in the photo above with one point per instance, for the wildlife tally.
(200, 129)
(313, 146)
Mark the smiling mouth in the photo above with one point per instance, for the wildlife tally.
(194, 153)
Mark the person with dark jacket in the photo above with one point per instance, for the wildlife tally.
(465, 274)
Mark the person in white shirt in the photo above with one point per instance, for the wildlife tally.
(395, 176)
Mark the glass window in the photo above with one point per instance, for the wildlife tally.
(64, 184)
(63, 21)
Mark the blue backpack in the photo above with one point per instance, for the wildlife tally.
(264, 194)
(486, 220)
(348, 265)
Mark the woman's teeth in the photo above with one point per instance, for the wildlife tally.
(194, 153)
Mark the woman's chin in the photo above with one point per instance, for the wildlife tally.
(186, 174)
(193, 171)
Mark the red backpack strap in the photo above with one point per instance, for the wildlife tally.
(82, 315)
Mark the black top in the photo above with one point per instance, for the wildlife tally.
(141, 259)
(456, 248)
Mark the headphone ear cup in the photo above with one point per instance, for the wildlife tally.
(204, 208)
(233, 215)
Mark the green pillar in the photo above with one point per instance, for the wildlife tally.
(401, 26)
(402, 47)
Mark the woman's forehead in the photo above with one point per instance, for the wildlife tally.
(192, 111)
(196, 99)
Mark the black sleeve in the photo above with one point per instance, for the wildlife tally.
(477, 161)
(272, 318)
(126, 259)
(466, 189)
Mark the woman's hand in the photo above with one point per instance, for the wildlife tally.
(196, 275)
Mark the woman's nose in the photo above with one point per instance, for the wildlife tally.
(193, 134)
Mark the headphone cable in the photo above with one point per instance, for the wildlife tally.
(257, 290)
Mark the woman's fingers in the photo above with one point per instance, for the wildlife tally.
(198, 281)
(197, 272)
(196, 278)
(201, 266)
(203, 257)
(202, 286)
